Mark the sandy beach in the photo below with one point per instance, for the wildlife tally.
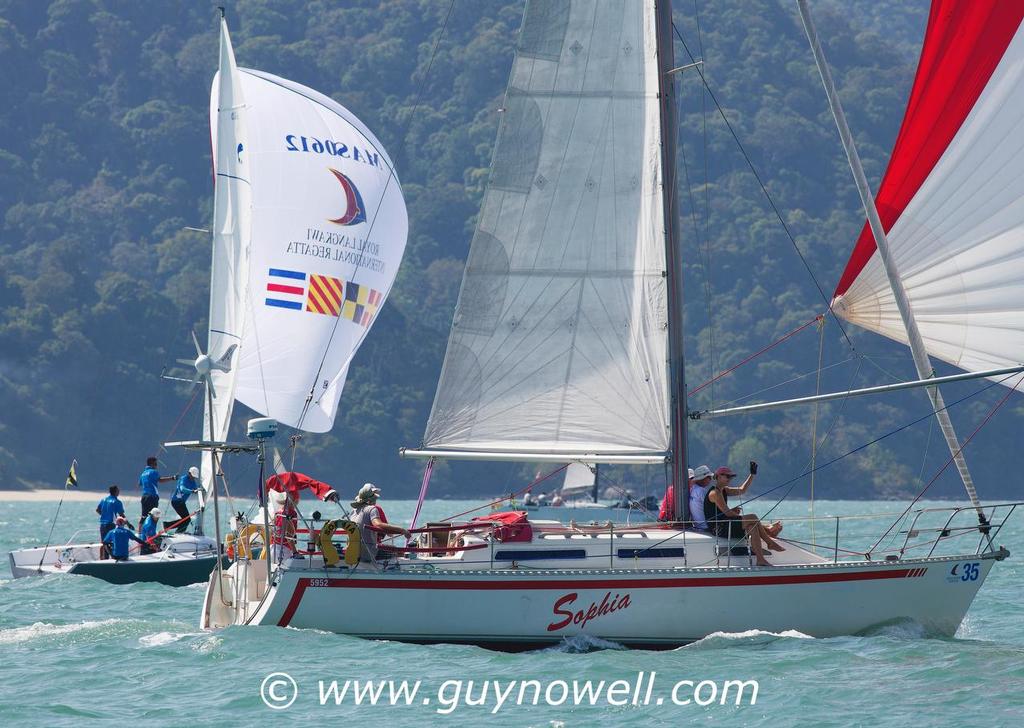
(55, 494)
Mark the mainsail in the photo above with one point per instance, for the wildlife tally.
(952, 198)
(232, 226)
(311, 228)
(559, 340)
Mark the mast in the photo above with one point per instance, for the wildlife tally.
(673, 257)
(917, 347)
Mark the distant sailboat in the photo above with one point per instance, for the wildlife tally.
(566, 346)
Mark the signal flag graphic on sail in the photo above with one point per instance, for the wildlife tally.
(288, 288)
(326, 295)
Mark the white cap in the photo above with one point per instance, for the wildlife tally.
(689, 473)
(193, 471)
(702, 471)
(369, 490)
(155, 512)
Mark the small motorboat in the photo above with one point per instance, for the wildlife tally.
(183, 559)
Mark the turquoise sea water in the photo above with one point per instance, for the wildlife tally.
(74, 651)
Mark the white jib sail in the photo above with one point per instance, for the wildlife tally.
(329, 228)
(559, 340)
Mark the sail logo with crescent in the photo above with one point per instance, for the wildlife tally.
(355, 211)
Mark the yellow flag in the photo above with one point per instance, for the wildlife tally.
(72, 480)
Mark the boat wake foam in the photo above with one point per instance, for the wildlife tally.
(42, 630)
(580, 643)
(747, 637)
(165, 638)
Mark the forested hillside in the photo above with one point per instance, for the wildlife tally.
(105, 161)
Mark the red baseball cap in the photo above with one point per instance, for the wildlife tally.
(724, 470)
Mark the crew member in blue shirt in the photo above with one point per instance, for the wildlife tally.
(187, 485)
(117, 539)
(148, 481)
(150, 525)
(109, 509)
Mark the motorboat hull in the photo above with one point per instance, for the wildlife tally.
(172, 567)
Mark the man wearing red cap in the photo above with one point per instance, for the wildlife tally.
(730, 522)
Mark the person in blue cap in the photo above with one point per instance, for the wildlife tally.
(109, 509)
(150, 525)
(148, 481)
(117, 539)
(187, 485)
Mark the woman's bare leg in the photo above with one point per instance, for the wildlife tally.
(767, 537)
(754, 533)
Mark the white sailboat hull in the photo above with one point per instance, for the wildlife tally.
(522, 609)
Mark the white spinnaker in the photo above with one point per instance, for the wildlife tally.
(232, 224)
(329, 228)
(559, 341)
(959, 243)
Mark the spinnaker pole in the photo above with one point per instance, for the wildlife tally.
(673, 257)
(917, 347)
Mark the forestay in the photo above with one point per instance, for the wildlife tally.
(559, 340)
(952, 199)
(328, 230)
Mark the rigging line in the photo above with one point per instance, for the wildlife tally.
(828, 433)
(920, 475)
(797, 378)
(814, 421)
(764, 189)
(184, 412)
(709, 288)
(704, 261)
(887, 373)
(536, 481)
(756, 354)
(952, 457)
(387, 183)
(908, 425)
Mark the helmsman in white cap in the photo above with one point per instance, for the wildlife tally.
(373, 524)
(187, 485)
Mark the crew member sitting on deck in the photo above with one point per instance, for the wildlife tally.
(147, 533)
(283, 540)
(728, 522)
(109, 509)
(148, 481)
(117, 539)
(187, 485)
(699, 487)
(372, 522)
(666, 511)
